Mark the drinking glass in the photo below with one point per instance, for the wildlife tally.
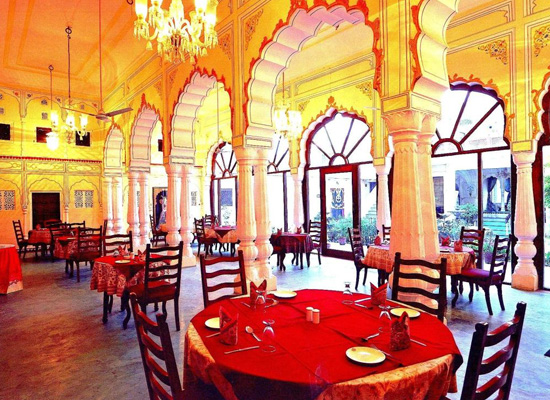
(384, 321)
(259, 304)
(268, 337)
(347, 292)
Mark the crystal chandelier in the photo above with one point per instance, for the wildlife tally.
(69, 128)
(287, 122)
(175, 35)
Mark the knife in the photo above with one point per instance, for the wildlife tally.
(243, 349)
(361, 305)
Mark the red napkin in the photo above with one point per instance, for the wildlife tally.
(299, 229)
(446, 241)
(377, 241)
(228, 328)
(254, 291)
(458, 245)
(122, 251)
(378, 295)
(141, 256)
(400, 335)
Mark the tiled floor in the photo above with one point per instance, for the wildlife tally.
(53, 344)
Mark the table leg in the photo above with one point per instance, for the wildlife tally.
(105, 306)
(454, 289)
(126, 304)
(301, 259)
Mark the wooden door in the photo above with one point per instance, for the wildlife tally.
(45, 206)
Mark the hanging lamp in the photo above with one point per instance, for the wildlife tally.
(52, 138)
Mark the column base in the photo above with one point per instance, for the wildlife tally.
(525, 278)
(188, 261)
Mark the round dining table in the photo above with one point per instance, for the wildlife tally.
(11, 277)
(309, 361)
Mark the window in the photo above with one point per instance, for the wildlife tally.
(82, 140)
(84, 199)
(42, 134)
(281, 204)
(5, 132)
(7, 200)
(224, 184)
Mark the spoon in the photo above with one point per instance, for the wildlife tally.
(249, 329)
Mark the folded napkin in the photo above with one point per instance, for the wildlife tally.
(299, 229)
(228, 327)
(122, 251)
(446, 241)
(378, 294)
(400, 334)
(458, 245)
(377, 241)
(141, 256)
(254, 291)
(279, 232)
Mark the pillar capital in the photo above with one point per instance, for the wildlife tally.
(525, 159)
(246, 155)
(404, 125)
(383, 169)
(173, 169)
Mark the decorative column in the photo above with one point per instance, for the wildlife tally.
(117, 204)
(246, 218)
(407, 230)
(427, 194)
(173, 206)
(66, 198)
(189, 259)
(206, 185)
(144, 219)
(383, 214)
(525, 224)
(133, 214)
(263, 228)
(298, 177)
(108, 189)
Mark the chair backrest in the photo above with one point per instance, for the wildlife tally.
(111, 243)
(433, 274)
(74, 225)
(315, 231)
(501, 252)
(89, 242)
(474, 238)
(153, 227)
(162, 264)
(356, 244)
(211, 283)
(18, 231)
(505, 356)
(50, 222)
(386, 232)
(210, 221)
(199, 228)
(58, 231)
(158, 377)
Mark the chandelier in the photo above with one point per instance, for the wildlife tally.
(287, 122)
(69, 128)
(175, 35)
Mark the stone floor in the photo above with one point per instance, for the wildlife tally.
(54, 346)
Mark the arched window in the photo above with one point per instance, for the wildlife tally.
(341, 181)
(471, 163)
(224, 184)
(281, 189)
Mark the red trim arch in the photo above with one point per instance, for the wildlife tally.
(142, 131)
(114, 147)
(541, 117)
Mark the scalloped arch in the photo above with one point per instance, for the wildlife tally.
(542, 113)
(142, 131)
(112, 153)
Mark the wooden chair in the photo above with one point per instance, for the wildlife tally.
(158, 235)
(314, 231)
(505, 356)
(211, 283)
(358, 254)
(21, 241)
(202, 240)
(88, 248)
(474, 238)
(487, 278)
(111, 243)
(50, 222)
(439, 296)
(56, 231)
(162, 279)
(75, 225)
(154, 355)
(210, 221)
(386, 231)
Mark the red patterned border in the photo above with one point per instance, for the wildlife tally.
(49, 159)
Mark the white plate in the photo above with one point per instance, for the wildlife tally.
(444, 250)
(213, 323)
(365, 355)
(398, 311)
(284, 294)
(122, 261)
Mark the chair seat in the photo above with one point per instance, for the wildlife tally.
(316, 245)
(157, 290)
(479, 274)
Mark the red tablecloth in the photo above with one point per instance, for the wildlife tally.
(293, 242)
(40, 236)
(11, 278)
(310, 359)
(67, 246)
(113, 278)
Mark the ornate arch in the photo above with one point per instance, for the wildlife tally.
(113, 150)
(275, 54)
(541, 117)
(142, 132)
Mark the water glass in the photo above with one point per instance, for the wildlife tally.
(347, 292)
(384, 321)
(268, 337)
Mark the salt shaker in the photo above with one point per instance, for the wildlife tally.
(309, 314)
(316, 316)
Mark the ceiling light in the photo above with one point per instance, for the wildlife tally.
(287, 122)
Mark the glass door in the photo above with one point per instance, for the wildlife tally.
(339, 209)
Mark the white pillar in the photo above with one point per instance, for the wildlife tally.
(108, 189)
(117, 204)
(144, 216)
(407, 229)
(133, 215)
(246, 219)
(263, 228)
(383, 214)
(172, 204)
(66, 213)
(427, 193)
(189, 259)
(298, 178)
(525, 224)
(206, 207)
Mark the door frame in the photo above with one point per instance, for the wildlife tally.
(356, 204)
(60, 193)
